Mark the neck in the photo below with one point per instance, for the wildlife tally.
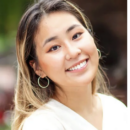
(80, 99)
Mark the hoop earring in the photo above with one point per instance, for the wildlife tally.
(41, 85)
(99, 52)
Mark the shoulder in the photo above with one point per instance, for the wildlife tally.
(42, 119)
(114, 111)
(111, 101)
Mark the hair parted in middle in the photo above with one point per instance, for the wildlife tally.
(29, 96)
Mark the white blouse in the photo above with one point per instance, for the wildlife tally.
(56, 116)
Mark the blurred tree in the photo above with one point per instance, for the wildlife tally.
(10, 13)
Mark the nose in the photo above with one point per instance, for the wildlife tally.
(72, 52)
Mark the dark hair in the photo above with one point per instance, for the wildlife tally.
(29, 96)
(28, 28)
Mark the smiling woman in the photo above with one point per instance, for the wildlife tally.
(59, 76)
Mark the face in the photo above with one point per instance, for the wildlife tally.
(66, 51)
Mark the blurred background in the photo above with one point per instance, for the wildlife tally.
(109, 20)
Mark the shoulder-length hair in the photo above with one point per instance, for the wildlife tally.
(28, 95)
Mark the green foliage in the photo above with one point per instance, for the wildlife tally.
(10, 14)
(7, 41)
(5, 127)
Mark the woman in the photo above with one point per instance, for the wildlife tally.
(59, 75)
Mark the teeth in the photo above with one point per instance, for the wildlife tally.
(78, 66)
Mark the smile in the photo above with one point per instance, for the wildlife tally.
(78, 66)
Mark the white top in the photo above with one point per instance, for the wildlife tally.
(56, 116)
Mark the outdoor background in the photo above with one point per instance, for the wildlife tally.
(109, 20)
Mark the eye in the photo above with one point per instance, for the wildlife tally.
(54, 48)
(76, 36)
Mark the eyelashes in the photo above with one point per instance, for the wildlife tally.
(56, 47)
(77, 35)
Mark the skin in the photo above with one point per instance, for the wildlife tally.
(59, 54)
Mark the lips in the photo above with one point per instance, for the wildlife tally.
(78, 65)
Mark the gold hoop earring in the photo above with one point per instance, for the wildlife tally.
(41, 85)
(99, 52)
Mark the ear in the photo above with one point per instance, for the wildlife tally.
(37, 69)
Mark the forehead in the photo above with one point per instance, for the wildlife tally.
(56, 22)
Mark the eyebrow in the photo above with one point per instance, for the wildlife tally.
(55, 37)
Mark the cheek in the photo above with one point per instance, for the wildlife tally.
(51, 63)
(89, 46)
